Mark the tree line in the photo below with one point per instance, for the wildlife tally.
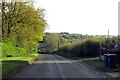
(80, 45)
(22, 27)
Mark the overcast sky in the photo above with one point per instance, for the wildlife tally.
(93, 17)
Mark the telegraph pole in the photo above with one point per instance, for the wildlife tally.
(108, 33)
(118, 21)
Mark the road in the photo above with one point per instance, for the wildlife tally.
(54, 66)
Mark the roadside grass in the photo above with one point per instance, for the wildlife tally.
(11, 64)
(9, 67)
(99, 64)
(92, 61)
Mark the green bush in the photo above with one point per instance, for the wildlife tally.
(63, 49)
(8, 49)
(86, 48)
(91, 48)
(21, 52)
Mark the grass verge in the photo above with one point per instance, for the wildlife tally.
(11, 64)
(99, 64)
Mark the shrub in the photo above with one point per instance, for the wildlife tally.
(8, 49)
(64, 48)
(21, 52)
(91, 48)
(86, 48)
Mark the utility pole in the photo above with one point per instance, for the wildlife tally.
(108, 33)
(118, 21)
(108, 39)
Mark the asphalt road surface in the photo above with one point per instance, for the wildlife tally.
(54, 66)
